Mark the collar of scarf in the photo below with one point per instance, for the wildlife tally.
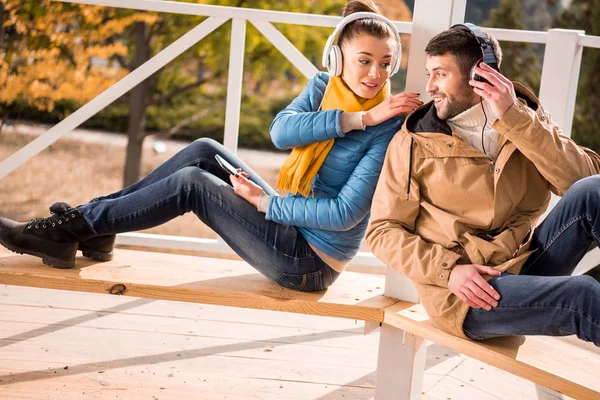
(300, 168)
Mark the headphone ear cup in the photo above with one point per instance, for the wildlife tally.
(473, 75)
(335, 61)
(397, 60)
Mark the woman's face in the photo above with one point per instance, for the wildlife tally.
(367, 63)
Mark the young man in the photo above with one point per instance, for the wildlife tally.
(462, 188)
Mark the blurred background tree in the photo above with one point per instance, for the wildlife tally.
(61, 55)
(57, 56)
(585, 15)
(519, 59)
(44, 61)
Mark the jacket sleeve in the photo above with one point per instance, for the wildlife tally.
(556, 156)
(348, 208)
(395, 209)
(301, 123)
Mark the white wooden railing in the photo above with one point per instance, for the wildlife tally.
(560, 74)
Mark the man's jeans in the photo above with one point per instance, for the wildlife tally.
(544, 299)
(192, 181)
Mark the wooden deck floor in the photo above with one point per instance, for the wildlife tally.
(66, 345)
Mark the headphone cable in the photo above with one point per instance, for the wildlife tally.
(484, 124)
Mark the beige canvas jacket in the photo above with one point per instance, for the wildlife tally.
(440, 202)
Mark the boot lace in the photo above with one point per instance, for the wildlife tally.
(59, 212)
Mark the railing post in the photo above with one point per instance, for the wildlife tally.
(560, 75)
(429, 18)
(234, 84)
(401, 358)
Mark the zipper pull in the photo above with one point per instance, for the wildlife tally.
(490, 170)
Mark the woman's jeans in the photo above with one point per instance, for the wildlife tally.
(193, 181)
(544, 299)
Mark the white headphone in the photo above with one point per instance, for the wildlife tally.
(332, 54)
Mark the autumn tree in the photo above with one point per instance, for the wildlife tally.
(47, 52)
(207, 61)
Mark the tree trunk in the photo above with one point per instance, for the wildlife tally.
(137, 108)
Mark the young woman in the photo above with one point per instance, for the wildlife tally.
(301, 237)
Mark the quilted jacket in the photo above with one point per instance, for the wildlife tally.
(335, 219)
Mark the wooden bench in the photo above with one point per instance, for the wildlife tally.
(566, 365)
(199, 280)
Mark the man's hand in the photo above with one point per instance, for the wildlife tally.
(466, 282)
(399, 104)
(245, 188)
(499, 92)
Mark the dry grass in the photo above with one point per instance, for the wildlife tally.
(75, 172)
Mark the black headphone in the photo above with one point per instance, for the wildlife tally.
(487, 56)
(487, 52)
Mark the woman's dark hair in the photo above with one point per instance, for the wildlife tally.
(463, 45)
(372, 27)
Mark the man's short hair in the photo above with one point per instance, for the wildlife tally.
(463, 45)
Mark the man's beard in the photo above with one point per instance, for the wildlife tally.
(459, 103)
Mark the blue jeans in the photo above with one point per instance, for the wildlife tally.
(544, 299)
(192, 181)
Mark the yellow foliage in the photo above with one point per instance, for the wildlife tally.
(42, 76)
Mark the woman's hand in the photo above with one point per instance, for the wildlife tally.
(245, 188)
(399, 104)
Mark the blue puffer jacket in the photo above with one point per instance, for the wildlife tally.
(335, 220)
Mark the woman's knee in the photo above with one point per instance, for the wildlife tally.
(204, 147)
(189, 176)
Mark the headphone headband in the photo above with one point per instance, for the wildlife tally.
(329, 46)
(487, 51)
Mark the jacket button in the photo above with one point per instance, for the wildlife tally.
(444, 265)
(449, 145)
(441, 276)
(426, 144)
(543, 117)
(497, 170)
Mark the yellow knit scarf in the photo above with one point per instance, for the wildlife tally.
(301, 167)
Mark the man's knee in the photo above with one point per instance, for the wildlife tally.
(583, 286)
(586, 187)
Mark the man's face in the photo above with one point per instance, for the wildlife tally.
(449, 89)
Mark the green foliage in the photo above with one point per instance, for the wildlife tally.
(585, 15)
(519, 59)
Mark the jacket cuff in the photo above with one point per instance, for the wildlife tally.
(444, 267)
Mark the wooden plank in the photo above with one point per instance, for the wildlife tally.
(565, 364)
(500, 383)
(170, 358)
(451, 388)
(78, 301)
(48, 320)
(158, 347)
(199, 280)
(163, 382)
